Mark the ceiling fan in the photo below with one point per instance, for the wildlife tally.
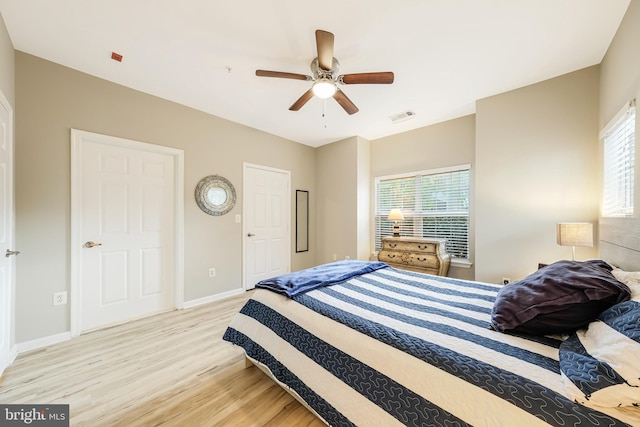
(325, 76)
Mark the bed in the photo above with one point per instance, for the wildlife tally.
(391, 347)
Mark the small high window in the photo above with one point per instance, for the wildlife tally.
(619, 163)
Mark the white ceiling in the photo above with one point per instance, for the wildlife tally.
(445, 54)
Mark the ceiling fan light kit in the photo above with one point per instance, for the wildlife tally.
(324, 88)
(325, 76)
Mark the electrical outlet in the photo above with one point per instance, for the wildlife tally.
(506, 280)
(59, 298)
(347, 257)
(335, 257)
(212, 272)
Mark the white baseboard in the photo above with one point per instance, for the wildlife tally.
(43, 342)
(65, 336)
(212, 298)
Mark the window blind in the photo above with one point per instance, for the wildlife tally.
(619, 165)
(433, 203)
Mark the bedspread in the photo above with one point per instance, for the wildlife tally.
(392, 347)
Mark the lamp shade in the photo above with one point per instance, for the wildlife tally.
(395, 215)
(575, 234)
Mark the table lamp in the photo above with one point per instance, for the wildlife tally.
(396, 215)
(574, 234)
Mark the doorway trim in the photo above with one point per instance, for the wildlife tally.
(77, 137)
(8, 323)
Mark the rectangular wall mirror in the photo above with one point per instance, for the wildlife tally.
(302, 221)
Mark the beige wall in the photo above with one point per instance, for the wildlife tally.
(363, 206)
(537, 163)
(51, 100)
(444, 144)
(620, 68)
(7, 64)
(336, 208)
(343, 176)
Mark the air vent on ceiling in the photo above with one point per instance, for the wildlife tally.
(403, 116)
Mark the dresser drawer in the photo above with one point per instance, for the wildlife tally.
(412, 246)
(414, 259)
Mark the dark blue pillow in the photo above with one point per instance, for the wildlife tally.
(558, 298)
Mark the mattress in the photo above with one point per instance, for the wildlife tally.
(393, 347)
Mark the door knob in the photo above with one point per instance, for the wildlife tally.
(91, 244)
(9, 253)
(250, 235)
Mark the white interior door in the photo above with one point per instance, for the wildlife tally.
(126, 230)
(267, 223)
(7, 263)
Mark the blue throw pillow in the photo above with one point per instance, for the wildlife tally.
(600, 364)
(558, 298)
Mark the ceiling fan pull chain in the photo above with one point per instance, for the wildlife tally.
(324, 112)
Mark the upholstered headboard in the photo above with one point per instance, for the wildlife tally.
(620, 242)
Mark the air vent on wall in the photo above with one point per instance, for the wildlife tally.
(401, 117)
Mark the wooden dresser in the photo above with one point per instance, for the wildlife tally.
(416, 254)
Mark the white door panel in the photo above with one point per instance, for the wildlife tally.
(267, 235)
(112, 280)
(127, 208)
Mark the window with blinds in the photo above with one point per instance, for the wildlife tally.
(433, 203)
(619, 159)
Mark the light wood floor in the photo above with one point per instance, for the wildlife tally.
(171, 369)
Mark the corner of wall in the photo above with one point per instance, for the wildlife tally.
(7, 64)
(363, 206)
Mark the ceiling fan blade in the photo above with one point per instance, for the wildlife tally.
(302, 100)
(345, 102)
(280, 74)
(367, 78)
(324, 44)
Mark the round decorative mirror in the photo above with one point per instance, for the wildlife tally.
(215, 195)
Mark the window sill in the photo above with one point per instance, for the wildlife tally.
(461, 263)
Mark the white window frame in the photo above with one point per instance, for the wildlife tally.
(619, 163)
(416, 216)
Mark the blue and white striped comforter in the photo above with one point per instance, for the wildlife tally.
(394, 347)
